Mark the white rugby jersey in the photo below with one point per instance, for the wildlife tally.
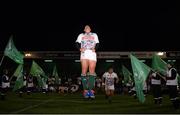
(88, 40)
(109, 78)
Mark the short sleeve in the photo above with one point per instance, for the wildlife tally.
(115, 75)
(79, 38)
(96, 38)
(104, 75)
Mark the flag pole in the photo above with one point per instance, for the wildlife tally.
(1, 60)
(11, 78)
(159, 75)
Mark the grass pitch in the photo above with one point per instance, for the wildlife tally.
(74, 103)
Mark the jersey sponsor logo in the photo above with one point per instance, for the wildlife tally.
(88, 44)
(88, 37)
(110, 81)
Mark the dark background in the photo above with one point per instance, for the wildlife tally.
(121, 25)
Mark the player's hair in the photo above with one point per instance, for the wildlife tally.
(110, 67)
(87, 26)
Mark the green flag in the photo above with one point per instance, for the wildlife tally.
(37, 71)
(140, 73)
(127, 74)
(11, 52)
(19, 81)
(55, 74)
(159, 64)
(18, 70)
(40, 81)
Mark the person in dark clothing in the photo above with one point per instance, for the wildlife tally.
(156, 87)
(23, 89)
(172, 85)
(5, 84)
(30, 84)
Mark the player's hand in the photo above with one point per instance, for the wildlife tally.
(93, 49)
(103, 84)
(82, 50)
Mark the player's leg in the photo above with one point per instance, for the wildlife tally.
(92, 75)
(84, 66)
(112, 92)
(111, 95)
(107, 92)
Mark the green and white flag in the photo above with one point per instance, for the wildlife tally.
(159, 64)
(55, 74)
(37, 71)
(11, 52)
(19, 83)
(140, 73)
(127, 74)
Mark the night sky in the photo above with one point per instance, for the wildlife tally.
(120, 26)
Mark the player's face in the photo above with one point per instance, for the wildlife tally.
(87, 29)
(110, 70)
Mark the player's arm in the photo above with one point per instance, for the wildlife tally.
(96, 47)
(103, 79)
(117, 78)
(78, 43)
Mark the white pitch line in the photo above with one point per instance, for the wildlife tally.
(71, 101)
(32, 106)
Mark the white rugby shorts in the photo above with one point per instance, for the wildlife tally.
(109, 87)
(88, 54)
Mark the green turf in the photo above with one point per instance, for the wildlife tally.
(73, 103)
